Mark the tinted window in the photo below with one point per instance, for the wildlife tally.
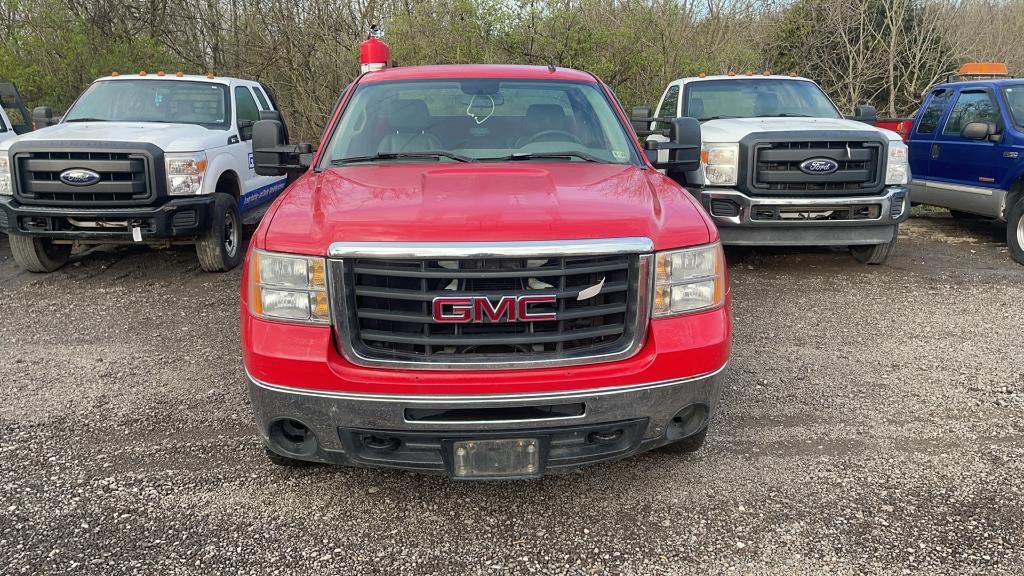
(171, 101)
(756, 97)
(263, 100)
(247, 110)
(930, 118)
(1015, 101)
(976, 106)
(667, 108)
(485, 119)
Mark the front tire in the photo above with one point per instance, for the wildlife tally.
(1015, 231)
(875, 253)
(220, 249)
(38, 254)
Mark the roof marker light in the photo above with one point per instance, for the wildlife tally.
(984, 69)
(732, 72)
(179, 74)
(750, 72)
(209, 75)
(701, 75)
(115, 73)
(159, 72)
(142, 72)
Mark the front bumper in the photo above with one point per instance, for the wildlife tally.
(178, 218)
(759, 220)
(416, 432)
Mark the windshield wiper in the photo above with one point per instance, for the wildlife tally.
(87, 120)
(715, 118)
(535, 155)
(786, 115)
(400, 155)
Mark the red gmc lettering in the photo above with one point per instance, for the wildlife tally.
(480, 309)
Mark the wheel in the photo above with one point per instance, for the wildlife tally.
(687, 445)
(875, 253)
(220, 249)
(279, 460)
(958, 215)
(1015, 231)
(38, 254)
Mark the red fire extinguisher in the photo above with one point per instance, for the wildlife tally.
(374, 54)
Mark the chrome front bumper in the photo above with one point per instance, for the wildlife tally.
(340, 420)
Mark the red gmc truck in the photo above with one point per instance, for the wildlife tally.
(481, 273)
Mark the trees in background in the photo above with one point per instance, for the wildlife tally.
(883, 51)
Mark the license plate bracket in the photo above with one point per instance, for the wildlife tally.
(495, 458)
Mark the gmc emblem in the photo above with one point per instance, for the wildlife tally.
(465, 309)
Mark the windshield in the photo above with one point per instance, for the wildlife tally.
(756, 97)
(479, 120)
(1015, 101)
(173, 101)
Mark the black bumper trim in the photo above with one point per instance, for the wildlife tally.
(177, 218)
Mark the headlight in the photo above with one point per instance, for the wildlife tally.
(185, 173)
(721, 163)
(689, 280)
(897, 170)
(288, 287)
(6, 189)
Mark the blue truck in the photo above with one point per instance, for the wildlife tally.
(967, 152)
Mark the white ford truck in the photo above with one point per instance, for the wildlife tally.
(781, 166)
(148, 158)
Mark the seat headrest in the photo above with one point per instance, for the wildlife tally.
(540, 117)
(696, 107)
(409, 116)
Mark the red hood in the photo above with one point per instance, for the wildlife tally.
(482, 202)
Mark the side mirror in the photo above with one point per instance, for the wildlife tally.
(683, 146)
(980, 131)
(865, 113)
(245, 129)
(275, 115)
(639, 118)
(42, 116)
(273, 156)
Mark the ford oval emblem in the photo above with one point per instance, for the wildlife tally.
(819, 166)
(79, 177)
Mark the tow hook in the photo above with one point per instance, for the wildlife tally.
(606, 437)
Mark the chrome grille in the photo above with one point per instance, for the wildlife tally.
(383, 308)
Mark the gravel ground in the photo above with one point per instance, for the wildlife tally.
(873, 423)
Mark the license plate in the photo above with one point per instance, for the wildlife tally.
(499, 458)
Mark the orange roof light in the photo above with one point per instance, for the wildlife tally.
(701, 75)
(179, 74)
(750, 72)
(159, 72)
(142, 72)
(732, 72)
(984, 69)
(767, 72)
(792, 73)
(210, 74)
(115, 73)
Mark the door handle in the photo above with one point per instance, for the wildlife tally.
(935, 151)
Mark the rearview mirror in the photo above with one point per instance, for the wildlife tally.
(273, 156)
(42, 116)
(683, 146)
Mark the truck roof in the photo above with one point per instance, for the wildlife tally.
(990, 82)
(227, 80)
(689, 79)
(477, 71)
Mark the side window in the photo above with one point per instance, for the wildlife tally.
(930, 118)
(247, 111)
(667, 108)
(261, 98)
(973, 106)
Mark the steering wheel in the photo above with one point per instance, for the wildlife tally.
(568, 136)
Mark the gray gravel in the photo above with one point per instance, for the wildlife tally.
(873, 424)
